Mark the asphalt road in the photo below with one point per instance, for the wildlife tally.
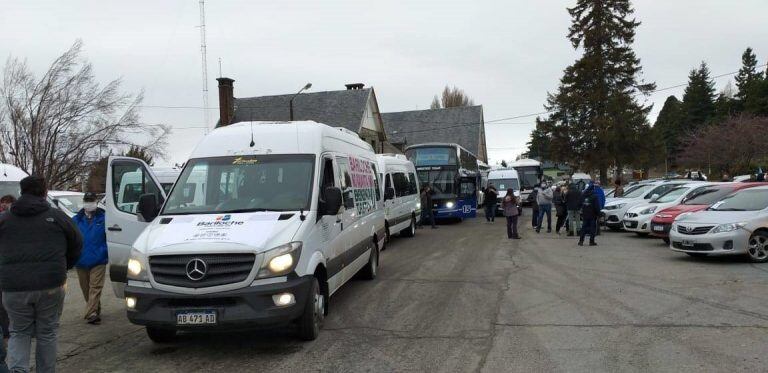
(464, 298)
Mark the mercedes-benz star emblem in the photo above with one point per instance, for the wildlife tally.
(196, 269)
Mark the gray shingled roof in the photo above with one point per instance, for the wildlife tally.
(334, 108)
(460, 125)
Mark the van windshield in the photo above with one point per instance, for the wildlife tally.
(243, 184)
(9, 188)
(504, 184)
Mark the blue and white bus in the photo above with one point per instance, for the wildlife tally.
(453, 174)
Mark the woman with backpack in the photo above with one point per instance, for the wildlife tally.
(511, 212)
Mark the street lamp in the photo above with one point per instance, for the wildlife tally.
(290, 103)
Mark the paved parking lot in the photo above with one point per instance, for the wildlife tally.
(464, 298)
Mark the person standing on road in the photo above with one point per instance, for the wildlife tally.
(600, 194)
(561, 211)
(5, 205)
(573, 204)
(590, 207)
(37, 246)
(426, 206)
(618, 191)
(92, 265)
(511, 212)
(544, 199)
(490, 203)
(534, 206)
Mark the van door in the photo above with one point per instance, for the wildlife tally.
(330, 227)
(349, 216)
(127, 180)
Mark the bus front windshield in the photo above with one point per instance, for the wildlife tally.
(443, 182)
(243, 184)
(529, 176)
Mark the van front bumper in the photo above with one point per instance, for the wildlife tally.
(249, 307)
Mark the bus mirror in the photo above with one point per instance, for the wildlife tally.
(389, 194)
(332, 196)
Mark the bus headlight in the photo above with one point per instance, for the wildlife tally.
(280, 260)
(449, 204)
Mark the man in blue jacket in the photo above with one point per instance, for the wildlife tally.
(92, 265)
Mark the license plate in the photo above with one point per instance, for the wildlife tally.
(658, 228)
(196, 318)
(687, 243)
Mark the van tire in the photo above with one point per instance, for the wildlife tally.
(411, 230)
(387, 235)
(371, 269)
(311, 320)
(161, 335)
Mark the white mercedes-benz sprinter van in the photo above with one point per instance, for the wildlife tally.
(504, 179)
(402, 204)
(266, 221)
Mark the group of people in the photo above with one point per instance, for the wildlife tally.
(38, 245)
(577, 208)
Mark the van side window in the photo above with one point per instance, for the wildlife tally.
(345, 179)
(387, 181)
(376, 181)
(131, 181)
(401, 184)
(412, 184)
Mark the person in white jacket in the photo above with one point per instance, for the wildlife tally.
(544, 200)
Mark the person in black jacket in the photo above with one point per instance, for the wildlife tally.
(38, 244)
(491, 196)
(590, 209)
(534, 206)
(573, 204)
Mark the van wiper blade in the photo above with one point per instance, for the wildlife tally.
(249, 210)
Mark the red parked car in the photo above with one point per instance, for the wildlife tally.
(663, 219)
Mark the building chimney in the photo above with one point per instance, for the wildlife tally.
(353, 86)
(226, 101)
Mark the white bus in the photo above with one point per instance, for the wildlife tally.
(530, 172)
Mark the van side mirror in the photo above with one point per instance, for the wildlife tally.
(333, 199)
(389, 194)
(147, 208)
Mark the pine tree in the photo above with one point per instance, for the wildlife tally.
(698, 99)
(668, 126)
(595, 117)
(748, 74)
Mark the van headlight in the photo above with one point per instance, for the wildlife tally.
(137, 266)
(281, 260)
(722, 228)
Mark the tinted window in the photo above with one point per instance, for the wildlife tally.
(412, 183)
(745, 200)
(401, 184)
(708, 196)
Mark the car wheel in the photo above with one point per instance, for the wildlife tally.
(372, 268)
(666, 240)
(314, 313)
(161, 335)
(411, 230)
(697, 255)
(758, 247)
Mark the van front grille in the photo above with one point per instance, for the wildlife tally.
(217, 269)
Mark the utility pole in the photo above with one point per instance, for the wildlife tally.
(204, 61)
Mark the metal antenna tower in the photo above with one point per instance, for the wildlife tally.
(204, 60)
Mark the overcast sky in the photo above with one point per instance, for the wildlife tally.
(505, 54)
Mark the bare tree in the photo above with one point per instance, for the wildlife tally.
(451, 97)
(56, 126)
(733, 146)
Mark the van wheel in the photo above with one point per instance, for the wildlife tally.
(387, 236)
(314, 313)
(161, 335)
(758, 247)
(372, 268)
(411, 230)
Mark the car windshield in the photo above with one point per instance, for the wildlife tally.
(504, 184)
(745, 200)
(73, 203)
(637, 192)
(672, 195)
(10, 188)
(243, 184)
(707, 196)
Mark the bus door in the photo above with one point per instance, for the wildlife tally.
(467, 203)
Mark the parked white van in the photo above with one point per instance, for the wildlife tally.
(402, 204)
(287, 212)
(504, 179)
